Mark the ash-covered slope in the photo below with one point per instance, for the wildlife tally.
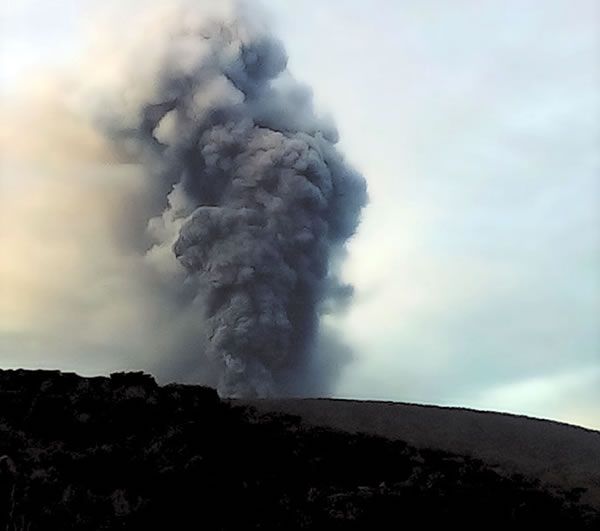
(556, 453)
(124, 453)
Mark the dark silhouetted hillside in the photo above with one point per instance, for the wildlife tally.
(558, 454)
(124, 453)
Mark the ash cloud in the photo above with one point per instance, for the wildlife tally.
(246, 203)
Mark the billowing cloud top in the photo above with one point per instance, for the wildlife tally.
(241, 201)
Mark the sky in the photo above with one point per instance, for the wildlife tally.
(477, 264)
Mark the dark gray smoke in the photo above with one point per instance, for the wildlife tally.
(260, 201)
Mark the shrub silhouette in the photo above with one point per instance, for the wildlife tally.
(124, 453)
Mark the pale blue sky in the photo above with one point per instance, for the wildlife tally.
(477, 125)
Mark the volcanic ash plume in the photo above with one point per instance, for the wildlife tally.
(256, 201)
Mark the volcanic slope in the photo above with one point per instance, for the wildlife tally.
(556, 453)
(122, 452)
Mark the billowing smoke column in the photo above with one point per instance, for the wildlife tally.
(261, 203)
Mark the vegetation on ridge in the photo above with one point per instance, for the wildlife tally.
(124, 453)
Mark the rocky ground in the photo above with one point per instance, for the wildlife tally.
(124, 453)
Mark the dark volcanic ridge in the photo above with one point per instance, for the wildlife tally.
(121, 452)
(558, 454)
